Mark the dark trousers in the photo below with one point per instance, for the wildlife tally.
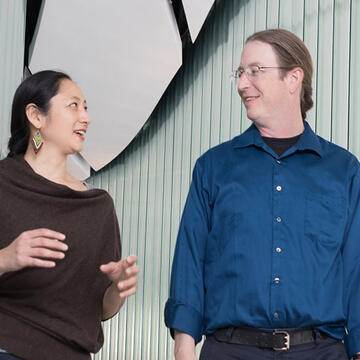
(7, 356)
(329, 349)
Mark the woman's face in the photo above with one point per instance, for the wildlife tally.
(67, 119)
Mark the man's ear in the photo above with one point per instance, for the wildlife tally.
(34, 115)
(294, 79)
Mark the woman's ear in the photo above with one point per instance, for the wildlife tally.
(34, 115)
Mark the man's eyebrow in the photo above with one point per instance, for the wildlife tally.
(251, 64)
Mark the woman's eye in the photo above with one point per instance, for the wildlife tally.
(73, 104)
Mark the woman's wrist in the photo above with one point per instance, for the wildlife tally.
(112, 302)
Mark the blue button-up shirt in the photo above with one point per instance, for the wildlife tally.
(270, 241)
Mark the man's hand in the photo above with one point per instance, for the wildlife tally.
(184, 346)
(123, 275)
(31, 248)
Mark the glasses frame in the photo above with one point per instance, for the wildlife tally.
(236, 74)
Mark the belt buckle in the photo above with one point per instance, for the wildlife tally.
(286, 338)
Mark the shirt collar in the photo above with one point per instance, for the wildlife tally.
(308, 139)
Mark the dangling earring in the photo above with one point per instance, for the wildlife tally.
(37, 142)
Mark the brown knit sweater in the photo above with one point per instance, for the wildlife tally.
(55, 314)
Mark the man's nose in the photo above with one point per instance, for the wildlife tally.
(243, 83)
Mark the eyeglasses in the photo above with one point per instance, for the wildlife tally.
(252, 72)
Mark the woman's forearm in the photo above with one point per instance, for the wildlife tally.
(123, 275)
(112, 302)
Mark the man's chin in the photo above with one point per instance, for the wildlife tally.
(251, 117)
(259, 123)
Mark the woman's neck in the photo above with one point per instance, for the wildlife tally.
(49, 164)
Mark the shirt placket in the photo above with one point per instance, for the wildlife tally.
(278, 250)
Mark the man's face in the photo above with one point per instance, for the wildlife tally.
(265, 95)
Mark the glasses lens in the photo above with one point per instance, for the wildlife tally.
(253, 71)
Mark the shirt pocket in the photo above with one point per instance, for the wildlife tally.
(324, 219)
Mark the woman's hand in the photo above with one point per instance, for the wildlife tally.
(123, 275)
(33, 248)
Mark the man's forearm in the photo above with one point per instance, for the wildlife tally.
(184, 346)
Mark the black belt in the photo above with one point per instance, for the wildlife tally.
(276, 339)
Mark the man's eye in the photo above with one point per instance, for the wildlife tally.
(74, 104)
(254, 71)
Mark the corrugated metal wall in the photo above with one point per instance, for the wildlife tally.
(150, 179)
(12, 39)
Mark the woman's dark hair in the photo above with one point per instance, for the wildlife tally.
(38, 89)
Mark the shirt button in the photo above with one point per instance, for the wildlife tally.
(278, 250)
(277, 280)
(278, 188)
(278, 161)
(278, 219)
(276, 315)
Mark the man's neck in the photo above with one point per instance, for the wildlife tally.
(281, 129)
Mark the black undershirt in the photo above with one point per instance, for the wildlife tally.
(280, 145)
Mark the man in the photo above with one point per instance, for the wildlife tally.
(267, 260)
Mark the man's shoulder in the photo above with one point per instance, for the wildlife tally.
(219, 151)
(331, 149)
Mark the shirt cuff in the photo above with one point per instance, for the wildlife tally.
(184, 318)
(352, 341)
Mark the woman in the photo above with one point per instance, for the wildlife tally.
(60, 273)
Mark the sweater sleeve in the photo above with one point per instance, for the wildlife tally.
(117, 238)
(113, 224)
(184, 310)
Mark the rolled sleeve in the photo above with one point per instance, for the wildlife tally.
(184, 318)
(184, 310)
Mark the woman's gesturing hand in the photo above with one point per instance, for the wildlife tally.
(33, 248)
(123, 275)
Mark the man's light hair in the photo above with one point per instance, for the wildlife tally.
(291, 52)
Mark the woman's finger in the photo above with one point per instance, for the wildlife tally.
(43, 232)
(131, 260)
(126, 284)
(45, 253)
(127, 293)
(42, 242)
(41, 263)
(132, 271)
(108, 268)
